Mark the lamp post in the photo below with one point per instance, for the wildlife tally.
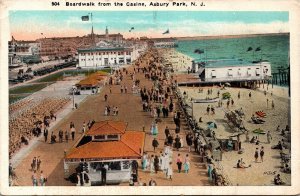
(73, 90)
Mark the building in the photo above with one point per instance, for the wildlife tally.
(104, 57)
(60, 47)
(165, 43)
(20, 51)
(231, 70)
(91, 83)
(107, 144)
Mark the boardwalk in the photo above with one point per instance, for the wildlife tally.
(130, 110)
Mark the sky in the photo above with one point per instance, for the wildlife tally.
(30, 25)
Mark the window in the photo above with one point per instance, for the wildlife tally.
(99, 137)
(213, 74)
(257, 72)
(114, 165)
(230, 72)
(239, 71)
(112, 136)
(249, 72)
(126, 165)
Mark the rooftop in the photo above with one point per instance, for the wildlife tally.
(107, 128)
(92, 80)
(213, 63)
(102, 49)
(129, 147)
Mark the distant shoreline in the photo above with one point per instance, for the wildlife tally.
(226, 36)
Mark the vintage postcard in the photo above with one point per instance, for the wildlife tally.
(111, 97)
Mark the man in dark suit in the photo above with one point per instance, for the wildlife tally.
(46, 134)
(103, 175)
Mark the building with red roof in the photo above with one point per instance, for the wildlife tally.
(107, 144)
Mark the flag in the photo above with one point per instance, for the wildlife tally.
(257, 49)
(249, 49)
(166, 32)
(85, 18)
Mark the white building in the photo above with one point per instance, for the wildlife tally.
(103, 57)
(230, 70)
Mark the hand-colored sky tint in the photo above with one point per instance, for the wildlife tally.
(30, 24)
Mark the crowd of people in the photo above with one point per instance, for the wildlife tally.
(31, 122)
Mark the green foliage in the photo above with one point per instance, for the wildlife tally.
(226, 95)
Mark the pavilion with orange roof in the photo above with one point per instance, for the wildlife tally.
(109, 144)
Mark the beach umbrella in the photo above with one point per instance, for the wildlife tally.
(212, 125)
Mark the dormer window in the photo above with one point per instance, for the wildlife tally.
(112, 137)
(99, 137)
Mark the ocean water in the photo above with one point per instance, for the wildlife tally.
(274, 48)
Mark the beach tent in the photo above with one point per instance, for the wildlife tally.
(212, 125)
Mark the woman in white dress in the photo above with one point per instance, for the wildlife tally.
(170, 171)
(152, 164)
(181, 142)
(161, 161)
(105, 111)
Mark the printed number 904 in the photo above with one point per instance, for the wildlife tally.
(55, 3)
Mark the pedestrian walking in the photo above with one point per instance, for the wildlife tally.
(167, 131)
(250, 94)
(212, 110)
(179, 163)
(208, 110)
(73, 133)
(33, 164)
(189, 140)
(152, 164)
(177, 142)
(239, 95)
(67, 136)
(256, 155)
(83, 127)
(273, 105)
(38, 164)
(43, 179)
(262, 153)
(46, 134)
(155, 144)
(60, 135)
(186, 164)
(34, 179)
(156, 163)
(105, 97)
(269, 137)
(169, 171)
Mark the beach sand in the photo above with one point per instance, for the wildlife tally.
(259, 173)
